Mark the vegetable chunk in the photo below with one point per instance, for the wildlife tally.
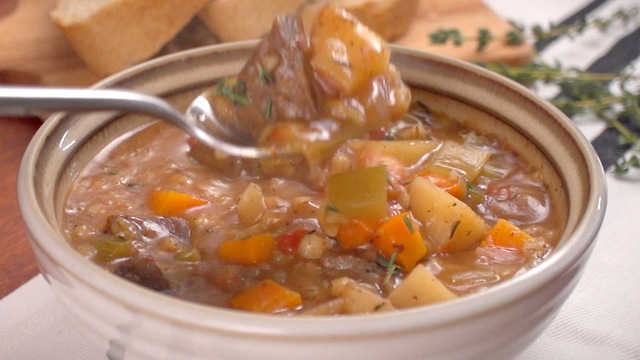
(463, 158)
(358, 299)
(252, 250)
(172, 203)
(359, 194)
(251, 205)
(345, 53)
(400, 235)
(420, 287)
(507, 235)
(408, 152)
(266, 297)
(447, 221)
(356, 233)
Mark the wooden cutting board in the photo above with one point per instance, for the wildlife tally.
(34, 51)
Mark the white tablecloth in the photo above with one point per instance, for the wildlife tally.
(601, 319)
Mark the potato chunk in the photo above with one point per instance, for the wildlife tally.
(358, 299)
(451, 224)
(419, 288)
(251, 205)
(345, 53)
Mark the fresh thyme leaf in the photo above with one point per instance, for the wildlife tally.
(268, 109)
(518, 34)
(625, 165)
(484, 38)
(443, 36)
(581, 92)
(390, 265)
(408, 224)
(332, 208)
(265, 76)
(234, 91)
(472, 189)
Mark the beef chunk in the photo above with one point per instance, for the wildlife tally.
(143, 271)
(144, 229)
(277, 78)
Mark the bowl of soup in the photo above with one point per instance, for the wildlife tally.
(442, 212)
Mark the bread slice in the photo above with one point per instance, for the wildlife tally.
(389, 18)
(111, 35)
(233, 20)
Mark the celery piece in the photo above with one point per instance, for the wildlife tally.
(454, 156)
(360, 194)
(109, 248)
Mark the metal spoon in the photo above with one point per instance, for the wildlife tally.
(199, 120)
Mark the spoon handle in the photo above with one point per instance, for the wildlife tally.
(24, 101)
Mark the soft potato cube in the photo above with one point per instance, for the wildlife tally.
(450, 223)
(358, 299)
(420, 287)
(345, 53)
(251, 205)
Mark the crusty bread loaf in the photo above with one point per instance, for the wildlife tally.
(388, 18)
(233, 20)
(111, 35)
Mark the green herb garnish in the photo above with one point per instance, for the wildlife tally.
(236, 91)
(265, 76)
(390, 265)
(408, 224)
(332, 208)
(581, 92)
(268, 109)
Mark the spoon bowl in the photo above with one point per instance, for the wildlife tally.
(199, 120)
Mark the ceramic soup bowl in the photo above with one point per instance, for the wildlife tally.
(132, 322)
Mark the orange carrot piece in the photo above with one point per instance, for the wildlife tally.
(252, 250)
(356, 233)
(172, 203)
(399, 234)
(505, 234)
(266, 297)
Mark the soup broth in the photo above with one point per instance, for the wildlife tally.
(156, 209)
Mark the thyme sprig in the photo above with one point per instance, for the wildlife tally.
(580, 92)
(519, 34)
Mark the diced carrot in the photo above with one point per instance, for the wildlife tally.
(290, 241)
(266, 297)
(356, 233)
(507, 235)
(252, 250)
(172, 203)
(454, 183)
(399, 234)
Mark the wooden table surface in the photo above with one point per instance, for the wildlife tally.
(17, 264)
(37, 53)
